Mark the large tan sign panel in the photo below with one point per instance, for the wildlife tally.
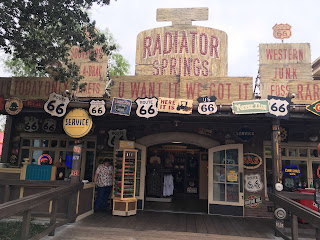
(226, 89)
(182, 49)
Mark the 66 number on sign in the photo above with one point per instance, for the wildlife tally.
(207, 108)
(278, 107)
(56, 105)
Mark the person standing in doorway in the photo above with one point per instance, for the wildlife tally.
(103, 180)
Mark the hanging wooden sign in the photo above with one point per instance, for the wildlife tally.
(250, 107)
(147, 107)
(31, 124)
(251, 161)
(171, 105)
(14, 106)
(279, 107)
(121, 106)
(97, 107)
(56, 105)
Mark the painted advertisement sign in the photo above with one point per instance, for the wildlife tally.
(77, 123)
(251, 161)
(171, 105)
(314, 108)
(13, 106)
(182, 49)
(225, 89)
(250, 107)
(121, 106)
(252, 201)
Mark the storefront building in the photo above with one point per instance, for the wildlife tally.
(205, 141)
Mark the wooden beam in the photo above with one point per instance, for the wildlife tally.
(6, 195)
(294, 227)
(53, 217)
(276, 160)
(25, 224)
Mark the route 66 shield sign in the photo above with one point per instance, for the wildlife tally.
(56, 105)
(147, 107)
(282, 31)
(253, 183)
(49, 125)
(97, 107)
(279, 107)
(31, 124)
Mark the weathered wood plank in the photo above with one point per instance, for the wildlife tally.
(191, 223)
(25, 224)
(294, 227)
(200, 225)
(53, 217)
(181, 14)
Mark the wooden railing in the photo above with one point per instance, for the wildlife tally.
(26, 204)
(295, 210)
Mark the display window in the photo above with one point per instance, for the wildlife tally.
(300, 163)
(44, 150)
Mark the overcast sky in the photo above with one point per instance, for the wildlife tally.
(246, 22)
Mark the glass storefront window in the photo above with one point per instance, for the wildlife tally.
(316, 174)
(36, 142)
(232, 192)
(219, 192)
(269, 174)
(54, 143)
(268, 151)
(91, 144)
(88, 172)
(26, 143)
(218, 157)
(25, 153)
(232, 174)
(63, 143)
(45, 143)
(39, 157)
(314, 153)
(292, 152)
(71, 144)
(283, 152)
(232, 156)
(297, 180)
(303, 152)
(219, 173)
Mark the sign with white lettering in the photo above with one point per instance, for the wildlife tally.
(118, 134)
(171, 105)
(56, 105)
(245, 133)
(147, 107)
(77, 123)
(253, 183)
(49, 125)
(279, 107)
(97, 107)
(121, 106)
(252, 201)
(31, 124)
(250, 107)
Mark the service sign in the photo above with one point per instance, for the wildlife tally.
(56, 105)
(245, 133)
(49, 125)
(252, 201)
(282, 31)
(13, 106)
(279, 107)
(314, 108)
(171, 105)
(250, 107)
(147, 107)
(121, 106)
(292, 170)
(31, 124)
(77, 123)
(97, 107)
(207, 105)
(251, 161)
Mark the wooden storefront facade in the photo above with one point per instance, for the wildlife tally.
(224, 160)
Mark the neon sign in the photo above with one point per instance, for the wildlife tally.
(45, 159)
(69, 161)
(292, 171)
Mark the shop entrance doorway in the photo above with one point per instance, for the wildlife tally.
(176, 178)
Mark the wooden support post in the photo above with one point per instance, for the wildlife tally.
(276, 154)
(25, 224)
(6, 196)
(318, 233)
(53, 217)
(294, 227)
